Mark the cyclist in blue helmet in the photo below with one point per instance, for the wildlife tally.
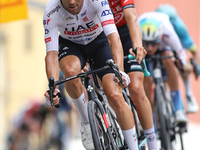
(188, 43)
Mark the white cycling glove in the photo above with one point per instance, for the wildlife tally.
(126, 77)
(183, 56)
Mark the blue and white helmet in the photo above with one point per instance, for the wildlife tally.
(152, 29)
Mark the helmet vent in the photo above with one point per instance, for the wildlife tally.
(153, 34)
(148, 31)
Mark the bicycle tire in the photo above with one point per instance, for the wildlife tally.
(169, 116)
(164, 136)
(100, 135)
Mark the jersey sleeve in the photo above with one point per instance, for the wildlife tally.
(183, 34)
(50, 33)
(127, 4)
(105, 16)
(171, 38)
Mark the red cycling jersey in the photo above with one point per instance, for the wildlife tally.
(117, 7)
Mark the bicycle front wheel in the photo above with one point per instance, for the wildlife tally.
(98, 124)
(161, 123)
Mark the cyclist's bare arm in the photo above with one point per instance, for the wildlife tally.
(116, 49)
(135, 33)
(52, 64)
(52, 70)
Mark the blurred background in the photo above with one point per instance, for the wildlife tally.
(26, 123)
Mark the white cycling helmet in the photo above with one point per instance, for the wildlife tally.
(151, 29)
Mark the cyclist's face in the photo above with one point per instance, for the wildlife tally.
(151, 47)
(73, 6)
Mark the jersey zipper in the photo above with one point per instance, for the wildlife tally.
(77, 18)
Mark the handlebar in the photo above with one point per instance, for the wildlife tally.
(159, 57)
(115, 68)
(178, 58)
(143, 64)
(195, 67)
(110, 64)
(51, 89)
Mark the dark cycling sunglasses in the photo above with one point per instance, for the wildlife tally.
(149, 43)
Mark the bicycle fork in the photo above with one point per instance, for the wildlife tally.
(93, 96)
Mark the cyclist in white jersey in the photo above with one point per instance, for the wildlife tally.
(160, 37)
(73, 33)
(188, 44)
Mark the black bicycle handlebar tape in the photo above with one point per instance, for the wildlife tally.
(194, 66)
(182, 66)
(115, 68)
(51, 89)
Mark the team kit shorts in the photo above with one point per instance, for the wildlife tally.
(98, 50)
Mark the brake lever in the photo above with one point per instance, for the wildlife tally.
(115, 68)
(51, 89)
(182, 66)
(194, 67)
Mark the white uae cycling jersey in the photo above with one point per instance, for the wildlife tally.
(170, 40)
(94, 17)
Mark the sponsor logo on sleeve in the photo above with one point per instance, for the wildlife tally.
(53, 11)
(46, 22)
(47, 39)
(46, 31)
(104, 3)
(106, 12)
(104, 23)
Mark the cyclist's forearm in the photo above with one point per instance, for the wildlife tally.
(133, 26)
(116, 49)
(52, 65)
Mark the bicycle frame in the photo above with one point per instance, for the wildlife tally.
(94, 94)
(142, 141)
(91, 91)
(163, 106)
